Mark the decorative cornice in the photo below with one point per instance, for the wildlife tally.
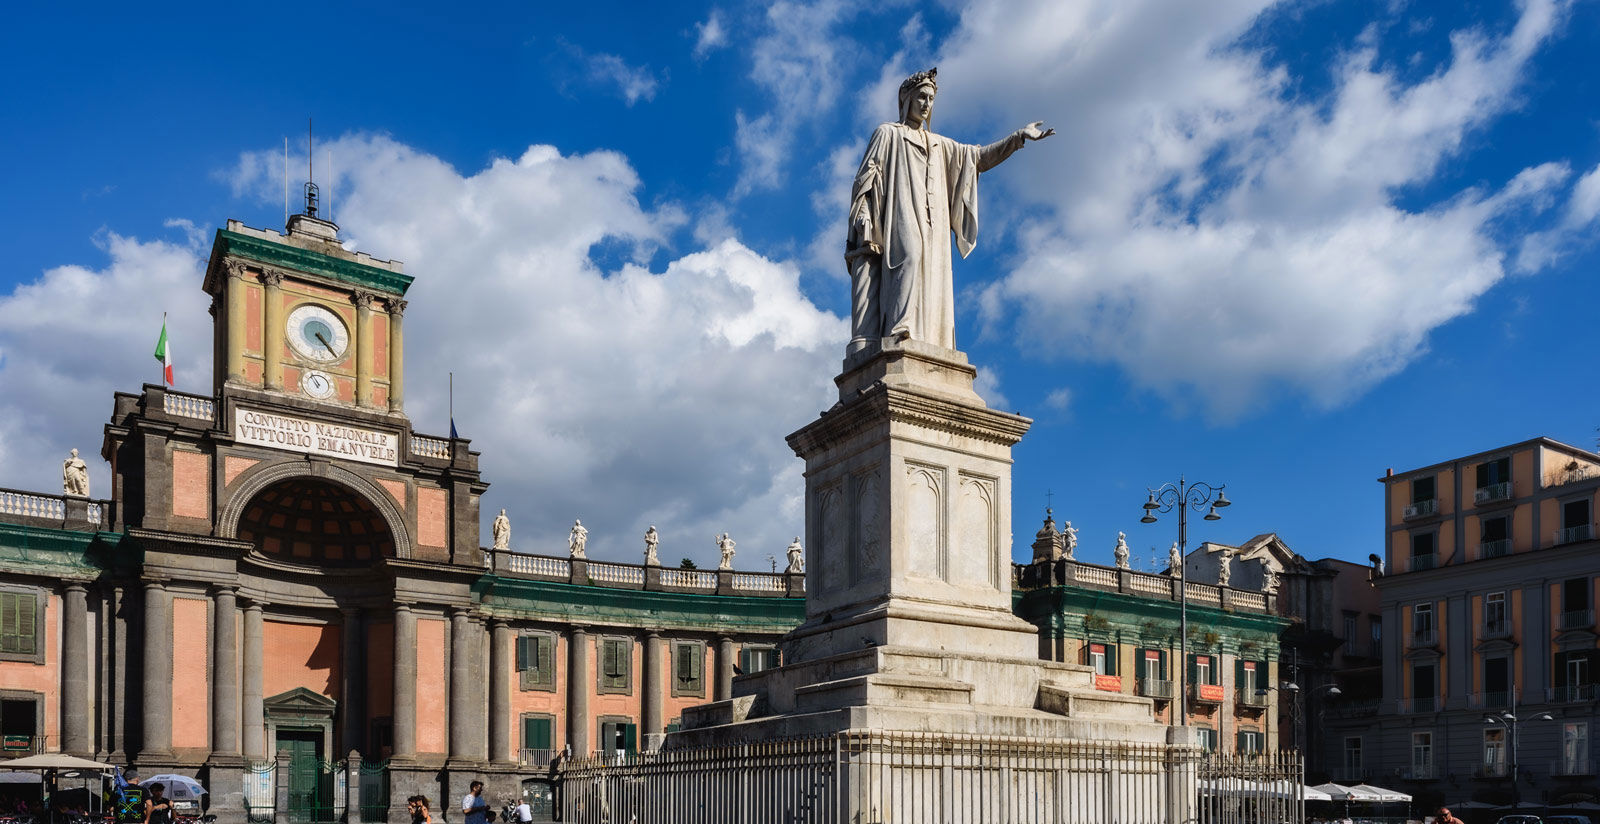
(235, 245)
(881, 404)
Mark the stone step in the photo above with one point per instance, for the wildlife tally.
(882, 689)
(1091, 703)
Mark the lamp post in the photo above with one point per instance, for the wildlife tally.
(1296, 709)
(1181, 496)
(1508, 719)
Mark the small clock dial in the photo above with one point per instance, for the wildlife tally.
(317, 384)
(317, 333)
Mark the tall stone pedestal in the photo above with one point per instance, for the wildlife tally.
(908, 594)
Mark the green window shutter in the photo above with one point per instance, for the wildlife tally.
(1238, 673)
(522, 652)
(1193, 671)
(1111, 659)
(536, 734)
(630, 738)
(544, 650)
(17, 622)
(8, 622)
(744, 659)
(685, 666)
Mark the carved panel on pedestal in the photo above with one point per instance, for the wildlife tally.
(924, 514)
(830, 550)
(978, 533)
(868, 561)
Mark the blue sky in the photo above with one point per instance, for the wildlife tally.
(1277, 246)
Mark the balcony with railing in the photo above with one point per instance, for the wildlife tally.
(1426, 703)
(651, 578)
(1422, 509)
(1420, 563)
(1428, 637)
(1492, 493)
(1494, 549)
(67, 511)
(1494, 768)
(1157, 688)
(1419, 772)
(1577, 619)
(1578, 764)
(1570, 694)
(1573, 534)
(1492, 700)
(1250, 698)
(1494, 630)
(536, 758)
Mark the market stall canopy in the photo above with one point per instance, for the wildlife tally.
(54, 761)
(1381, 793)
(1335, 792)
(20, 778)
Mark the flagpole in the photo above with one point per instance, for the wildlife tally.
(452, 404)
(163, 334)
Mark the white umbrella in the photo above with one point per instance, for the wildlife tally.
(1335, 792)
(1314, 794)
(178, 787)
(20, 778)
(54, 761)
(1381, 793)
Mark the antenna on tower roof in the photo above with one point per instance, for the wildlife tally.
(285, 181)
(311, 186)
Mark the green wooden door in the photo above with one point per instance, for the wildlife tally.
(305, 773)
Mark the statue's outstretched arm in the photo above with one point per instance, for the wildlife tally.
(995, 153)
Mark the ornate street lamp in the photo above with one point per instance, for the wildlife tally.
(1508, 720)
(1181, 496)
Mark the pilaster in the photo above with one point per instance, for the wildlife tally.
(273, 331)
(364, 347)
(397, 371)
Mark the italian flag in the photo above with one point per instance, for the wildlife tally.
(163, 353)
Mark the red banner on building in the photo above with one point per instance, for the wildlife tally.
(1109, 683)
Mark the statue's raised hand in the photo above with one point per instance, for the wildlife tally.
(1036, 131)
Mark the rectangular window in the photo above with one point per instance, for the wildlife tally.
(1208, 739)
(538, 732)
(1494, 614)
(1350, 633)
(1352, 757)
(1154, 667)
(688, 668)
(1424, 553)
(19, 625)
(1574, 594)
(1423, 687)
(616, 665)
(1497, 682)
(1494, 536)
(1249, 742)
(1422, 754)
(1422, 620)
(536, 661)
(1575, 748)
(1423, 490)
(1248, 679)
(1494, 752)
(20, 717)
(1575, 514)
(1494, 472)
(1204, 673)
(756, 659)
(618, 735)
(1376, 623)
(1097, 659)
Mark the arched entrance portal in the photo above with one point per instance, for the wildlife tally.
(314, 521)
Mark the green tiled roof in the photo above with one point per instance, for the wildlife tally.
(315, 263)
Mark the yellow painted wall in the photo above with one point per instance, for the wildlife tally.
(1549, 522)
(1524, 477)
(1446, 545)
(1522, 537)
(1474, 534)
(1446, 486)
(1399, 494)
(1400, 551)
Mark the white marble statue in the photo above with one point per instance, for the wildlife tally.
(1121, 551)
(1069, 536)
(1174, 561)
(725, 546)
(912, 190)
(797, 557)
(75, 476)
(577, 540)
(1224, 569)
(652, 539)
(502, 531)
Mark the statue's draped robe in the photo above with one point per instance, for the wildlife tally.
(915, 187)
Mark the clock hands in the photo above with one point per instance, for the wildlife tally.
(326, 344)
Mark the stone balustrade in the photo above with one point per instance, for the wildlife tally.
(583, 571)
(423, 446)
(52, 510)
(183, 404)
(1140, 584)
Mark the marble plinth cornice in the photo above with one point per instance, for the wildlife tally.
(882, 404)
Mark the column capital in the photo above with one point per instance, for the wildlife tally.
(155, 585)
(236, 268)
(652, 634)
(404, 606)
(397, 307)
(220, 590)
(76, 586)
(500, 623)
(363, 300)
(350, 612)
(252, 605)
(272, 278)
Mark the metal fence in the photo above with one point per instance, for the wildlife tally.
(1252, 788)
(868, 777)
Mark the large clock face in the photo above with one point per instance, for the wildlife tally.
(318, 334)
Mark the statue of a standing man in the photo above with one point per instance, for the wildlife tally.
(577, 539)
(75, 476)
(502, 531)
(725, 546)
(912, 190)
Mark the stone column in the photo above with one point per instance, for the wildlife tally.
(501, 661)
(236, 320)
(405, 682)
(75, 671)
(254, 719)
(352, 706)
(724, 688)
(578, 684)
(157, 693)
(272, 339)
(461, 681)
(654, 685)
(397, 372)
(364, 348)
(225, 675)
(119, 659)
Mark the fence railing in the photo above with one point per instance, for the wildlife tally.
(1494, 549)
(1570, 694)
(1581, 532)
(922, 778)
(1157, 688)
(1576, 764)
(1577, 619)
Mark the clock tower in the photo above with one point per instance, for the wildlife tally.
(300, 316)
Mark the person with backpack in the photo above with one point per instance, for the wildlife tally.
(128, 798)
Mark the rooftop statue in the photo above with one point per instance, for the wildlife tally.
(75, 476)
(502, 531)
(577, 539)
(913, 188)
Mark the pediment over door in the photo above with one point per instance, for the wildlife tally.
(300, 703)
